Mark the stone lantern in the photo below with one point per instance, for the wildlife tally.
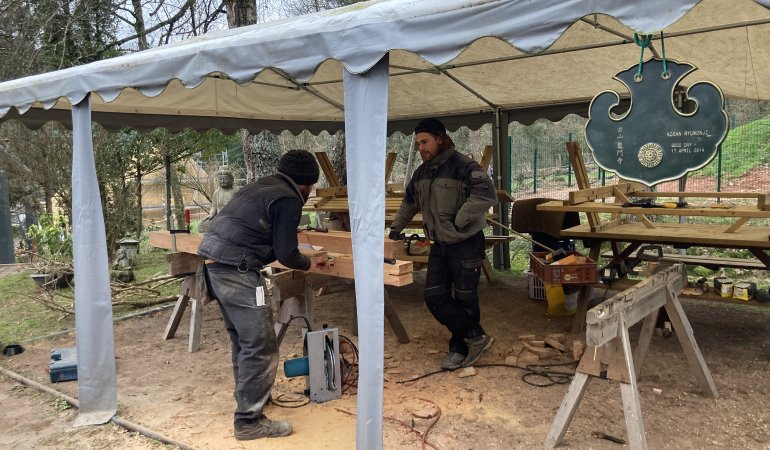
(126, 257)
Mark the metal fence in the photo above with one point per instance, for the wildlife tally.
(540, 166)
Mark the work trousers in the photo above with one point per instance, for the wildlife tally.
(456, 267)
(252, 336)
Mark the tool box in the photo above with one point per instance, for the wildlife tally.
(64, 364)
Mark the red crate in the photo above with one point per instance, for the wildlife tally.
(580, 273)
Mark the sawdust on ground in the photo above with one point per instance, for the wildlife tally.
(188, 396)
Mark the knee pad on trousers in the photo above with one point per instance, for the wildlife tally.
(434, 297)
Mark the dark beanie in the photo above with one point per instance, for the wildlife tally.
(300, 166)
(430, 125)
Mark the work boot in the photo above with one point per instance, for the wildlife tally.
(477, 346)
(452, 361)
(262, 428)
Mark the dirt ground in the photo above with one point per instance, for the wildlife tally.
(188, 396)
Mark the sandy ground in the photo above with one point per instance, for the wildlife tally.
(188, 396)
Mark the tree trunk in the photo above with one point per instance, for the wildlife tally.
(139, 28)
(241, 13)
(337, 157)
(260, 154)
(139, 223)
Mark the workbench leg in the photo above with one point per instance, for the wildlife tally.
(394, 320)
(579, 322)
(687, 339)
(645, 336)
(309, 298)
(196, 322)
(567, 410)
(176, 316)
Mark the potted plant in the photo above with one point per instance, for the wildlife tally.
(51, 253)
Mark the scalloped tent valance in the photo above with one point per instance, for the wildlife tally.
(461, 59)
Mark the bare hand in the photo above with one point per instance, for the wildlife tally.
(318, 261)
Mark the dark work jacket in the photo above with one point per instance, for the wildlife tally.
(453, 194)
(242, 233)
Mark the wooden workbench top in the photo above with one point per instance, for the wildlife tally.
(677, 233)
(597, 207)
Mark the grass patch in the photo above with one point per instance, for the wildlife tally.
(23, 318)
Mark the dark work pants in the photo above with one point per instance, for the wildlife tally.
(252, 337)
(456, 266)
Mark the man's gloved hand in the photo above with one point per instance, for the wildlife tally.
(394, 235)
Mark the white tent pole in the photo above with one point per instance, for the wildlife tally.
(97, 387)
(366, 116)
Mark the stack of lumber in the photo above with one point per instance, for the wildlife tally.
(336, 246)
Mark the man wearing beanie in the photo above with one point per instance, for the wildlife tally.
(255, 228)
(454, 195)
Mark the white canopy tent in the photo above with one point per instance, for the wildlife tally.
(370, 68)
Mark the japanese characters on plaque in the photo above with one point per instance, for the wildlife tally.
(656, 139)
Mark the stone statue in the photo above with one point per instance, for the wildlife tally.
(221, 196)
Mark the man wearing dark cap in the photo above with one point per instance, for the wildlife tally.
(454, 195)
(255, 228)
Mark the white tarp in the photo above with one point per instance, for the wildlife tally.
(446, 57)
(97, 389)
(366, 114)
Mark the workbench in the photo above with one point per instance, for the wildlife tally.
(292, 289)
(634, 225)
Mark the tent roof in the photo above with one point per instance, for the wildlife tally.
(461, 59)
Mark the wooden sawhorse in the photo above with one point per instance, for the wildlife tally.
(292, 295)
(609, 346)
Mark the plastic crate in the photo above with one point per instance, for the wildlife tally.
(64, 365)
(581, 273)
(535, 285)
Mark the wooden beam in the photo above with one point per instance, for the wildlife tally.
(684, 333)
(339, 191)
(340, 265)
(619, 195)
(342, 242)
(629, 392)
(635, 303)
(486, 157)
(185, 243)
(606, 225)
(591, 207)
(591, 194)
(704, 235)
(390, 161)
(328, 169)
(581, 177)
(737, 225)
(567, 410)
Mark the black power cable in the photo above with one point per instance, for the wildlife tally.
(553, 377)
